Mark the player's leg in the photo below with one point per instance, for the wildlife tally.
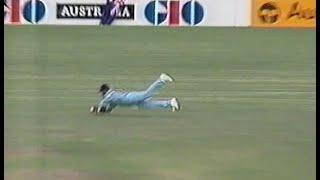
(154, 104)
(156, 86)
(137, 97)
(172, 104)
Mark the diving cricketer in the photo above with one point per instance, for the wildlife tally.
(140, 99)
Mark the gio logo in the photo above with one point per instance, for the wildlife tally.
(156, 12)
(34, 11)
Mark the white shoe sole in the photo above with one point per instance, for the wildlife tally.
(166, 78)
(175, 104)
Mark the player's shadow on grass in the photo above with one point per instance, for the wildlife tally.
(133, 115)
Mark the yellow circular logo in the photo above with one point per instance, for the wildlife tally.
(269, 13)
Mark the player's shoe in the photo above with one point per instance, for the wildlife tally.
(175, 104)
(166, 77)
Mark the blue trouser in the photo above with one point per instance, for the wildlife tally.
(140, 99)
(107, 18)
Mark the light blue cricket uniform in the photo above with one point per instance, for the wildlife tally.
(140, 99)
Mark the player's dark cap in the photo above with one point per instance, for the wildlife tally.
(104, 88)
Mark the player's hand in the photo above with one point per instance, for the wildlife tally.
(98, 110)
(93, 109)
(101, 110)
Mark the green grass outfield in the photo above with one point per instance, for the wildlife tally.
(248, 99)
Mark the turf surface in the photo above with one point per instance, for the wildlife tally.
(248, 99)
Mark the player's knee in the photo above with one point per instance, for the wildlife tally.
(146, 95)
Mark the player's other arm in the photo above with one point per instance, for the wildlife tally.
(106, 108)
